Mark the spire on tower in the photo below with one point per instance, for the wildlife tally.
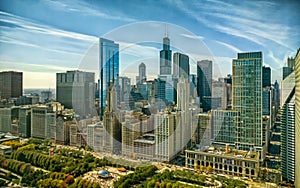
(166, 30)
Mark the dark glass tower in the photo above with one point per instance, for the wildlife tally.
(165, 58)
(204, 79)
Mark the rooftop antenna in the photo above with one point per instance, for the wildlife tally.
(166, 30)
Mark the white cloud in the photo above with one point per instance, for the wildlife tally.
(233, 48)
(192, 36)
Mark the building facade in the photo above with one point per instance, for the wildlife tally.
(204, 79)
(11, 84)
(247, 99)
(76, 90)
(43, 120)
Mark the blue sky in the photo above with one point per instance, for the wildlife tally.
(43, 37)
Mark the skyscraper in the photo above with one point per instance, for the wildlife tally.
(142, 74)
(113, 135)
(204, 79)
(266, 76)
(43, 119)
(247, 96)
(165, 57)
(109, 68)
(75, 89)
(181, 66)
(287, 122)
(11, 84)
(297, 118)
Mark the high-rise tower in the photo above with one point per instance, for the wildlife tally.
(109, 68)
(165, 57)
(247, 99)
(11, 84)
(204, 79)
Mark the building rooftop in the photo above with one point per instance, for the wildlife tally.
(251, 155)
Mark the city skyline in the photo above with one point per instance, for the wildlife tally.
(48, 41)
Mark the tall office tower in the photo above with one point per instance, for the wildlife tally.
(160, 93)
(43, 120)
(286, 71)
(75, 90)
(247, 96)
(113, 134)
(166, 135)
(5, 119)
(266, 76)
(181, 66)
(109, 68)
(46, 96)
(11, 84)
(142, 74)
(223, 129)
(297, 118)
(183, 97)
(287, 122)
(290, 62)
(204, 79)
(25, 122)
(165, 57)
(228, 81)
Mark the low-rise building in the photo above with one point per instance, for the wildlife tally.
(231, 162)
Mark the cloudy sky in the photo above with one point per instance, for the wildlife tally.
(43, 37)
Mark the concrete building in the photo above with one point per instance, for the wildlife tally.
(62, 130)
(25, 122)
(219, 90)
(95, 134)
(46, 96)
(247, 97)
(297, 118)
(43, 122)
(167, 135)
(144, 147)
(130, 132)
(5, 119)
(231, 162)
(76, 90)
(108, 69)
(112, 125)
(11, 84)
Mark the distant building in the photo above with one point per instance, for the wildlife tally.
(247, 97)
(62, 130)
(219, 90)
(266, 101)
(11, 84)
(181, 66)
(204, 79)
(109, 68)
(75, 90)
(46, 96)
(165, 65)
(142, 74)
(286, 71)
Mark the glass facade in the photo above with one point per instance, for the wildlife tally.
(109, 68)
(247, 99)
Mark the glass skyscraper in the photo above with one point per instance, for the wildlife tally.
(204, 79)
(108, 68)
(247, 99)
(165, 58)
